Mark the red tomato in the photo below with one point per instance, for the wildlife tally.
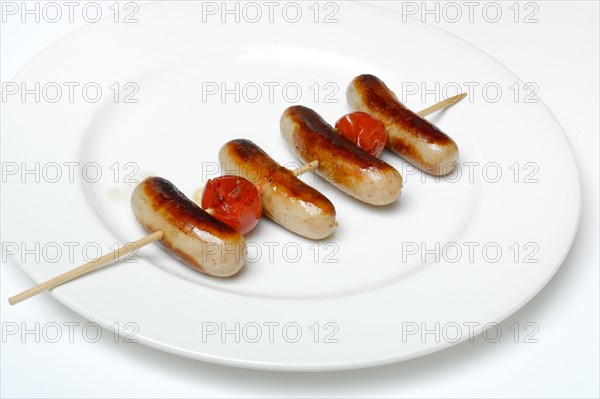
(233, 200)
(363, 130)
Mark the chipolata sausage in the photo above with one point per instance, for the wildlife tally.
(286, 199)
(343, 164)
(409, 135)
(189, 233)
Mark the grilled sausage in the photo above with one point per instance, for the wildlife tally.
(410, 136)
(343, 164)
(286, 199)
(189, 233)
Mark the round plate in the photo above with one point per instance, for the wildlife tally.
(119, 101)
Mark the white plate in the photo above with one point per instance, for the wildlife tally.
(371, 290)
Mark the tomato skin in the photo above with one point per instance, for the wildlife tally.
(233, 200)
(363, 130)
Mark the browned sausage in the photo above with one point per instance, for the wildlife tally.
(189, 233)
(410, 136)
(342, 163)
(286, 199)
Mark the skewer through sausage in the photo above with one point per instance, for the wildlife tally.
(286, 199)
(343, 164)
(409, 135)
(189, 233)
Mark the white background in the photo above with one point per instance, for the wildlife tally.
(560, 53)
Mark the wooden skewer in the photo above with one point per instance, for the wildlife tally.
(303, 169)
(157, 235)
(86, 268)
(128, 248)
(112, 256)
(441, 105)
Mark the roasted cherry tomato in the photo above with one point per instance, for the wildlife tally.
(233, 200)
(363, 130)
